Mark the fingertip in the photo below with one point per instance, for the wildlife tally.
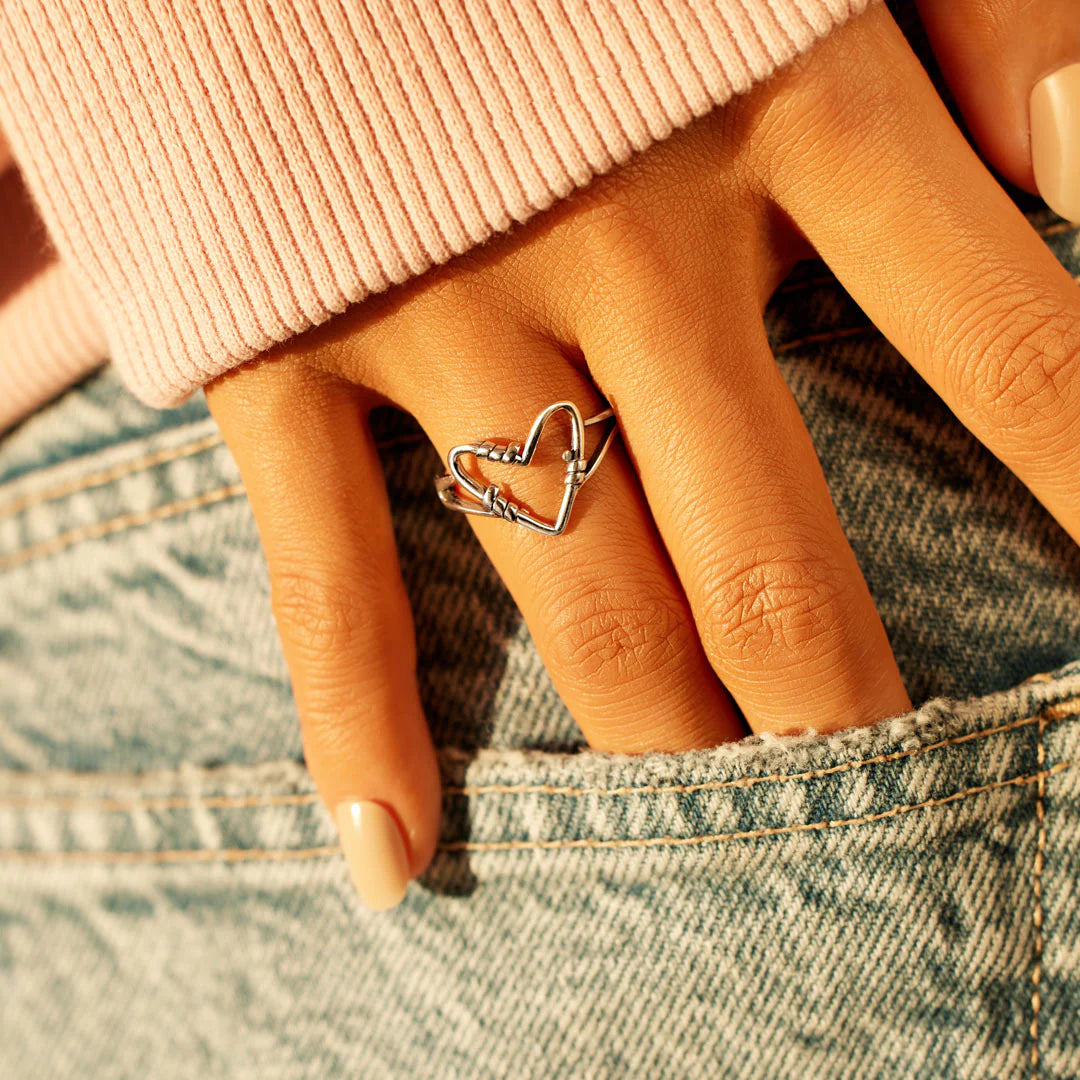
(1055, 140)
(993, 54)
(375, 852)
(383, 789)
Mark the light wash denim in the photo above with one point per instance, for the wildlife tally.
(898, 901)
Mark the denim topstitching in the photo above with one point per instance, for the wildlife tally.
(1062, 710)
(143, 464)
(488, 846)
(105, 476)
(44, 548)
(1052, 712)
(1037, 913)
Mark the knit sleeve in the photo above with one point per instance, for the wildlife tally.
(218, 175)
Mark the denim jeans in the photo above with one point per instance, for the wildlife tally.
(895, 901)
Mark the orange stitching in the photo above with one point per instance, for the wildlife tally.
(828, 335)
(96, 479)
(117, 524)
(142, 464)
(1059, 711)
(197, 855)
(402, 440)
(1057, 227)
(163, 802)
(717, 838)
(1054, 712)
(833, 335)
(253, 854)
(1036, 973)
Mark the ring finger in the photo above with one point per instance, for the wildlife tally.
(601, 600)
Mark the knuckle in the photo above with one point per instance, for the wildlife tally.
(622, 245)
(774, 602)
(604, 635)
(806, 124)
(1024, 370)
(642, 271)
(323, 615)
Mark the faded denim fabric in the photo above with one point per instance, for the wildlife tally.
(898, 901)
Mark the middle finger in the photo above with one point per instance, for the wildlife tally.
(735, 486)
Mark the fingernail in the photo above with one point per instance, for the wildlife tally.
(1055, 140)
(374, 852)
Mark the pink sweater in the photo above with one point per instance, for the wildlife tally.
(215, 176)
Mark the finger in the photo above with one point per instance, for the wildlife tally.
(935, 252)
(992, 54)
(312, 473)
(601, 600)
(735, 486)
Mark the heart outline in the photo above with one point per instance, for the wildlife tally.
(490, 503)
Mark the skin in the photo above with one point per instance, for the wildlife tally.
(704, 587)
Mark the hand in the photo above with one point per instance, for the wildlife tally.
(704, 578)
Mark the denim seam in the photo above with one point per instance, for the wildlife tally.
(35, 552)
(192, 855)
(105, 476)
(1058, 711)
(251, 854)
(775, 830)
(144, 464)
(105, 803)
(834, 335)
(825, 335)
(1036, 973)
(1057, 227)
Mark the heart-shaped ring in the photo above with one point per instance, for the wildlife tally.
(486, 498)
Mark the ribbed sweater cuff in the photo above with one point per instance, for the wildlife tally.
(49, 338)
(220, 175)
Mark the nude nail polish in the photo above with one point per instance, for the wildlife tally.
(374, 851)
(1055, 140)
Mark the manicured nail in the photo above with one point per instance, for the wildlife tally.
(1055, 140)
(375, 853)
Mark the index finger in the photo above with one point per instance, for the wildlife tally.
(313, 476)
(934, 251)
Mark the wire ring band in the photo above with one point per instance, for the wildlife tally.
(486, 498)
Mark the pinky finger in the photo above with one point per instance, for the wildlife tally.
(315, 483)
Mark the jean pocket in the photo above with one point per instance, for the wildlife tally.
(135, 629)
(893, 901)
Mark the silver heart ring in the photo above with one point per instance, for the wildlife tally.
(486, 498)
